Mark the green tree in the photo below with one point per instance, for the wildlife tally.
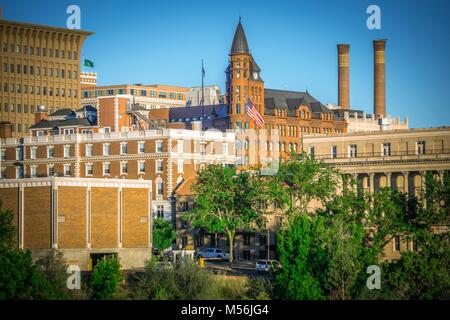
(299, 245)
(301, 180)
(106, 279)
(346, 239)
(7, 230)
(226, 200)
(424, 273)
(19, 276)
(163, 234)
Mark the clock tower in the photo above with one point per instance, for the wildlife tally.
(243, 82)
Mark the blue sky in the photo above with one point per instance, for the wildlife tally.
(294, 43)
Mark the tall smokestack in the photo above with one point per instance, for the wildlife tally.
(379, 50)
(343, 76)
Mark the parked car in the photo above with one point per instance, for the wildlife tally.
(213, 253)
(267, 265)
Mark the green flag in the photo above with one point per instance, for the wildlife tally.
(88, 63)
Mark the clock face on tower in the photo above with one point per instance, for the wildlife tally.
(255, 75)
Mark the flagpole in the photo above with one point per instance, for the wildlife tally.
(203, 93)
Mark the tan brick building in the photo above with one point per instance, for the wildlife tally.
(155, 96)
(397, 158)
(166, 157)
(84, 218)
(40, 66)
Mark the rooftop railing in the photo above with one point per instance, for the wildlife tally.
(164, 133)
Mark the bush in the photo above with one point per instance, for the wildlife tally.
(54, 270)
(185, 281)
(106, 279)
(259, 288)
(20, 279)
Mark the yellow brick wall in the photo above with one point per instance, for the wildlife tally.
(9, 197)
(72, 209)
(134, 207)
(104, 218)
(37, 217)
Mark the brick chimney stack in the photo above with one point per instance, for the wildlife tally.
(379, 51)
(40, 114)
(344, 76)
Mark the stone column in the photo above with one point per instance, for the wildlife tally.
(372, 182)
(388, 178)
(355, 182)
(441, 176)
(423, 175)
(405, 182)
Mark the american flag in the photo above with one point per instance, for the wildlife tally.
(254, 114)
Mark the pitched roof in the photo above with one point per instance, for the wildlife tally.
(50, 124)
(218, 110)
(290, 100)
(240, 44)
(87, 108)
(184, 187)
(62, 112)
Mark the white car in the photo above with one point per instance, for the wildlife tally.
(213, 253)
(267, 265)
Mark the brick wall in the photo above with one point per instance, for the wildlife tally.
(37, 217)
(135, 222)
(104, 218)
(10, 200)
(72, 223)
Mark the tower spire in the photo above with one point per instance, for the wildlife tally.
(240, 44)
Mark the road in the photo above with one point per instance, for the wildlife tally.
(237, 267)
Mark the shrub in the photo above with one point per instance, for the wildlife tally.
(106, 278)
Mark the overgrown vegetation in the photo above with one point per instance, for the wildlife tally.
(20, 277)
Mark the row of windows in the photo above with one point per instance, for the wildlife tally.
(30, 50)
(67, 171)
(133, 92)
(88, 149)
(31, 70)
(268, 146)
(291, 131)
(19, 127)
(25, 89)
(352, 150)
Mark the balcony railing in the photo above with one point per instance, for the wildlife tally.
(381, 156)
